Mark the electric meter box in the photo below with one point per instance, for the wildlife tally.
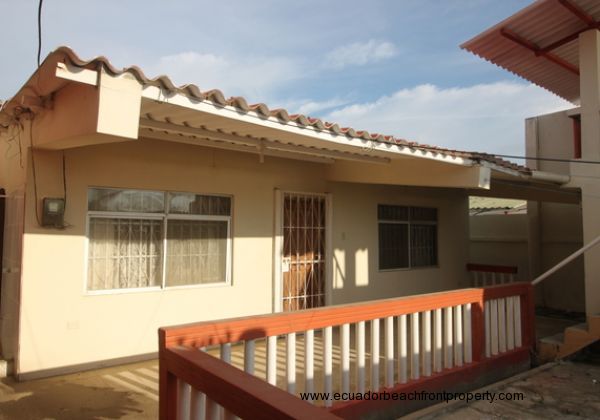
(53, 211)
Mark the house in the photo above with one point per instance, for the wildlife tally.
(133, 204)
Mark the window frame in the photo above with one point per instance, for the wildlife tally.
(409, 223)
(164, 216)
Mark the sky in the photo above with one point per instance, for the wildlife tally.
(387, 66)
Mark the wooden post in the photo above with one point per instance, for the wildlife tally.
(167, 391)
(528, 317)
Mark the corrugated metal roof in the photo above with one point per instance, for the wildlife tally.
(543, 23)
(491, 203)
(65, 54)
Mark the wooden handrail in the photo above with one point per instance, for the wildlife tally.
(488, 268)
(254, 327)
(248, 396)
(244, 395)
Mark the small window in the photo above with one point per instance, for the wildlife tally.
(407, 237)
(136, 240)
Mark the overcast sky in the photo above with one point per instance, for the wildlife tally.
(385, 66)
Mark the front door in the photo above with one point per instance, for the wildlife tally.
(304, 255)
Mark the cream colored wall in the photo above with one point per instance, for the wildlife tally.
(15, 160)
(355, 239)
(555, 229)
(62, 326)
(500, 240)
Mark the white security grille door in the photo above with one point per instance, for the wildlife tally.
(303, 251)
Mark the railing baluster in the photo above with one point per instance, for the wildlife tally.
(414, 338)
(249, 347)
(389, 352)
(518, 336)
(272, 360)
(510, 323)
(468, 333)
(488, 329)
(402, 350)
(197, 405)
(437, 341)
(309, 361)
(494, 326)
(448, 347)
(458, 336)
(502, 325)
(374, 354)
(184, 397)
(213, 411)
(360, 356)
(328, 362)
(226, 352)
(290, 357)
(426, 331)
(345, 348)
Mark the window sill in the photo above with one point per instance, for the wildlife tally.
(388, 270)
(154, 289)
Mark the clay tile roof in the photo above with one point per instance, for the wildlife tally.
(217, 97)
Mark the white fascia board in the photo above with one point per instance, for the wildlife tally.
(77, 74)
(382, 149)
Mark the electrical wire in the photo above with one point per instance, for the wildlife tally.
(35, 191)
(39, 22)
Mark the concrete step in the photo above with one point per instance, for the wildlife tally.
(594, 324)
(574, 338)
(549, 347)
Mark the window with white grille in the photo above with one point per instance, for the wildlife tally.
(141, 239)
(407, 236)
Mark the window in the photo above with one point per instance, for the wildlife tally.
(140, 239)
(407, 236)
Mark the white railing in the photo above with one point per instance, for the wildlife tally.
(351, 348)
(489, 275)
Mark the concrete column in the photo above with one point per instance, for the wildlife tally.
(588, 176)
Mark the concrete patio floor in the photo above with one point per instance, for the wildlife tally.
(123, 392)
(557, 390)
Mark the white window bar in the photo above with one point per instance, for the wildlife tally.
(402, 350)
(494, 326)
(328, 362)
(249, 347)
(184, 397)
(426, 331)
(389, 352)
(272, 360)
(360, 356)
(374, 354)
(467, 333)
(458, 336)
(345, 345)
(510, 323)
(309, 361)
(290, 358)
(518, 336)
(448, 342)
(414, 338)
(438, 360)
(488, 328)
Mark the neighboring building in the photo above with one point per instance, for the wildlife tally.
(181, 205)
(498, 233)
(556, 45)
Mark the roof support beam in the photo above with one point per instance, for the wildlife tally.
(507, 33)
(579, 12)
(590, 23)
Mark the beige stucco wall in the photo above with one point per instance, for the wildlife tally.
(500, 239)
(61, 325)
(15, 161)
(555, 229)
